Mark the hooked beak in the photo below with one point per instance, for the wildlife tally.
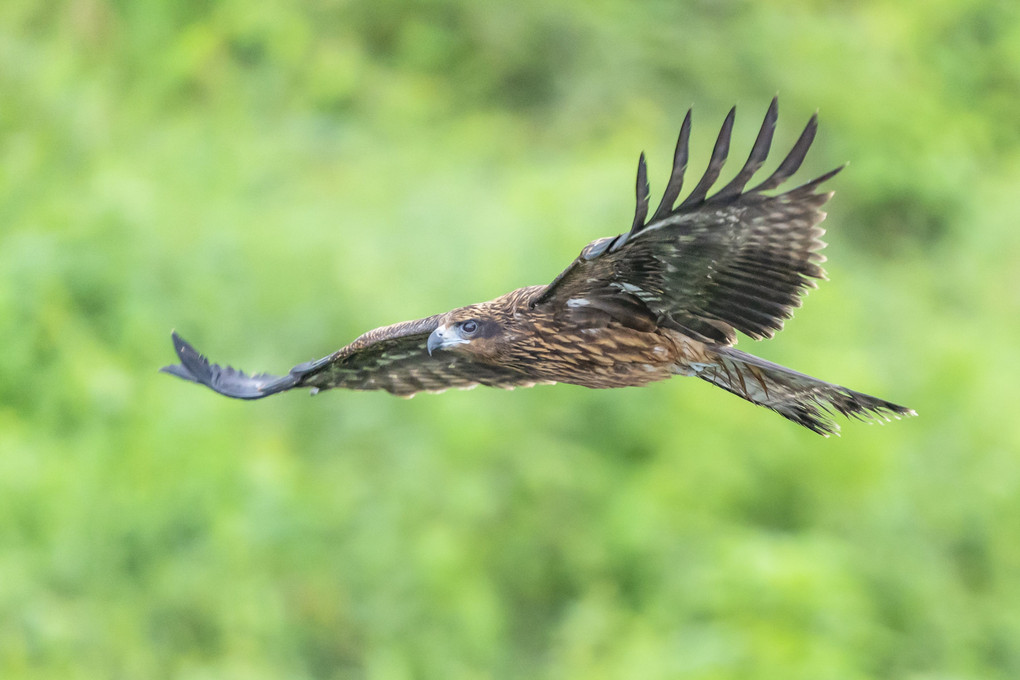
(436, 340)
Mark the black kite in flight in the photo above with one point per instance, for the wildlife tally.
(665, 298)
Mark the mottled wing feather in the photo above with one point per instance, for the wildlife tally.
(395, 359)
(392, 358)
(737, 260)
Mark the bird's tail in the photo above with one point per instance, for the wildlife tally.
(805, 400)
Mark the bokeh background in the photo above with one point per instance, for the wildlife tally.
(273, 178)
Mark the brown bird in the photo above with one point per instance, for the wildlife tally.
(662, 299)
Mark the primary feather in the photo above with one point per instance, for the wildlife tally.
(664, 298)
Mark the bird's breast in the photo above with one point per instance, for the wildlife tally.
(610, 356)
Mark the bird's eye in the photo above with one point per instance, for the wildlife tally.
(469, 327)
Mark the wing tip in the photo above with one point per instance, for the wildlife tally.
(179, 371)
(229, 382)
(193, 365)
(642, 191)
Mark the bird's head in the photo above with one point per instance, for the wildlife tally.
(473, 330)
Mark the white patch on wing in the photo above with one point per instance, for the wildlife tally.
(637, 291)
(578, 302)
(664, 222)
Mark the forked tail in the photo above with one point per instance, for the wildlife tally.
(804, 400)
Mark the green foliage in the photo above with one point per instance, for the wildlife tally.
(274, 178)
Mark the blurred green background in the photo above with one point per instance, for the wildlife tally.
(273, 178)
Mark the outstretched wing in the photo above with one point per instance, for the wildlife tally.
(392, 358)
(739, 259)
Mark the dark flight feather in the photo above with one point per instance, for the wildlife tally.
(643, 191)
(793, 160)
(676, 176)
(759, 152)
(715, 165)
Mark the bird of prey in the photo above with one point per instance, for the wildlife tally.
(664, 298)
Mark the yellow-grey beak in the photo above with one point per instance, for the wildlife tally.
(435, 340)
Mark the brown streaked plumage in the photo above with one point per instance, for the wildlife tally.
(665, 298)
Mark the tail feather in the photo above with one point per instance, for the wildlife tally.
(805, 400)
